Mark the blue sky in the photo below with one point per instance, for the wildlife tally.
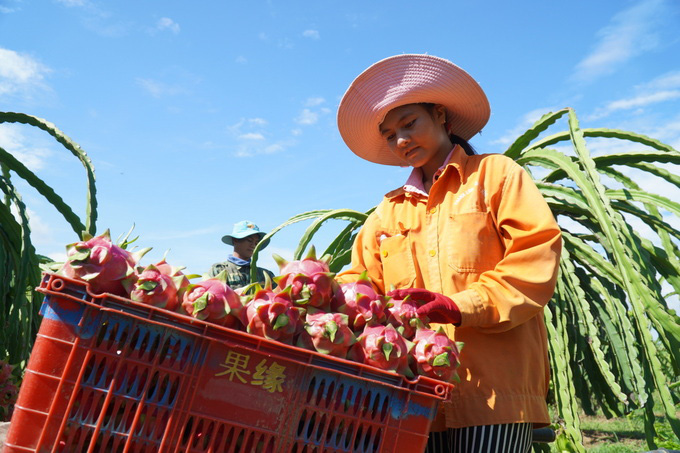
(200, 114)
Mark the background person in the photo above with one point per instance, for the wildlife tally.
(468, 236)
(244, 237)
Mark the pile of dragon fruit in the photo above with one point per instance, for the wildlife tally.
(305, 307)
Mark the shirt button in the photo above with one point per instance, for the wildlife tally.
(433, 210)
(384, 253)
(433, 252)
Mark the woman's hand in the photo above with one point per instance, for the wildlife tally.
(436, 307)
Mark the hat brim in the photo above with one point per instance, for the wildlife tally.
(408, 79)
(229, 239)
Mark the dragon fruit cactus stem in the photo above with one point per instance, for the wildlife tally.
(312, 284)
(214, 301)
(327, 333)
(435, 355)
(107, 267)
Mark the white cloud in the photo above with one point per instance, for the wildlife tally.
(641, 101)
(165, 23)
(14, 142)
(20, 73)
(526, 121)
(158, 89)
(41, 231)
(251, 136)
(668, 132)
(250, 123)
(661, 89)
(636, 102)
(307, 117)
(253, 148)
(666, 81)
(312, 34)
(154, 88)
(72, 3)
(285, 43)
(630, 33)
(274, 148)
(313, 102)
(99, 20)
(241, 59)
(58, 257)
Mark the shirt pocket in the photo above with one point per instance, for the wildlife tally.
(397, 262)
(475, 245)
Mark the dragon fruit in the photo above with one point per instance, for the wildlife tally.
(107, 267)
(327, 333)
(402, 314)
(273, 315)
(435, 355)
(214, 301)
(312, 284)
(160, 285)
(360, 303)
(382, 347)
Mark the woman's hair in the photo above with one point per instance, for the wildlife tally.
(456, 140)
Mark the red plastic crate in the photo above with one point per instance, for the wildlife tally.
(110, 375)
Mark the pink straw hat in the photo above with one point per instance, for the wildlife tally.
(407, 79)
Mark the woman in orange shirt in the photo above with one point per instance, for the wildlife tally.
(468, 236)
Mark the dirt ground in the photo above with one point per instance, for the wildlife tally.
(4, 426)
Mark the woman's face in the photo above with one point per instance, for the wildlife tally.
(417, 136)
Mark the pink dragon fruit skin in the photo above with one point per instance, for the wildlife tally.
(327, 333)
(435, 355)
(160, 285)
(361, 304)
(107, 267)
(402, 314)
(273, 315)
(312, 284)
(214, 301)
(383, 347)
(178, 277)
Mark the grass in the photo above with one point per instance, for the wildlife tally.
(616, 435)
(623, 434)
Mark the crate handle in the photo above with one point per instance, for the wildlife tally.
(56, 284)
